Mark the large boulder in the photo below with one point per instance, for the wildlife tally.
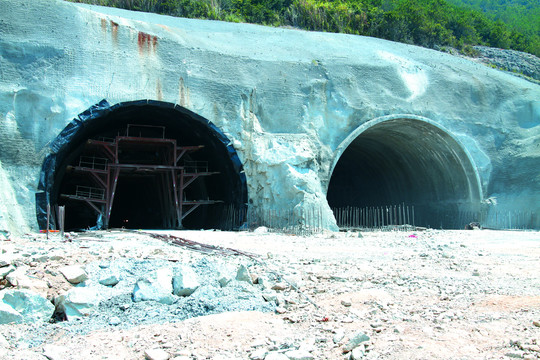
(78, 302)
(185, 282)
(24, 306)
(74, 274)
(156, 286)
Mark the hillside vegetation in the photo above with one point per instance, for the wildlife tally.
(520, 15)
(428, 23)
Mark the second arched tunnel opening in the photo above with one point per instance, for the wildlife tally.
(150, 165)
(409, 163)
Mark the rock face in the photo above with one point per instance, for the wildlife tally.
(289, 102)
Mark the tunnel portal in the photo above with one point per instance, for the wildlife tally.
(143, 164)
(407, 162)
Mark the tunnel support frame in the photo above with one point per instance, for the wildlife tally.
(107, 178)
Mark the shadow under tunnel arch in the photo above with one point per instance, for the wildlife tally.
(150, 164)
(406, 161)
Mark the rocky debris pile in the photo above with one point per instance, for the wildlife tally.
(40, 286)
(510, 60)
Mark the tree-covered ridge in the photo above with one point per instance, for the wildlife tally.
(522, 16)
(427, 23)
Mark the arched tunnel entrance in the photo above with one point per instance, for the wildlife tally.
(405, 161)
(142, 164)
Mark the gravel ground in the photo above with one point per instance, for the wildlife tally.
(419, 295)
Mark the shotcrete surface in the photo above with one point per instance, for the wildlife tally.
(286, 99)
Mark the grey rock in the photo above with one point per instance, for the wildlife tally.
(4, 271)
(295, 280)
(31, 306)
(529, 347)
(9, 315)
(185, 281)
(398, 329)
(515, 354)
(109, 280)
(207, 293)
(281, 310)
(41, 258)
(299, 355)
(270, 296)
(74, 274)
(56, 257)
(243, 274)
(115, 320)
(156, 286)
(357, 353)
(338, 336)
(264, 282)
(356, 340)
(258, 354)
(78, 302)
(447, 255)
(224, 276)
(156, 354)
(280, 286)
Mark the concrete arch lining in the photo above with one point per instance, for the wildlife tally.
(403, 159)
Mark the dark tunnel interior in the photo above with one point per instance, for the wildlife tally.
(406, 162)
(141, 197)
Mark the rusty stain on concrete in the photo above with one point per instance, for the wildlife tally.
(147, 43)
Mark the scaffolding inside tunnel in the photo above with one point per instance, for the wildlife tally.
(148, 146)
(140, 152)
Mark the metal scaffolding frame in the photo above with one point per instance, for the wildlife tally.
(163, 158)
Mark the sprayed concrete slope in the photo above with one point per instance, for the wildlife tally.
(291, 102)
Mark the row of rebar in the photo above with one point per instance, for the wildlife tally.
(392, 217)
(374, 217)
